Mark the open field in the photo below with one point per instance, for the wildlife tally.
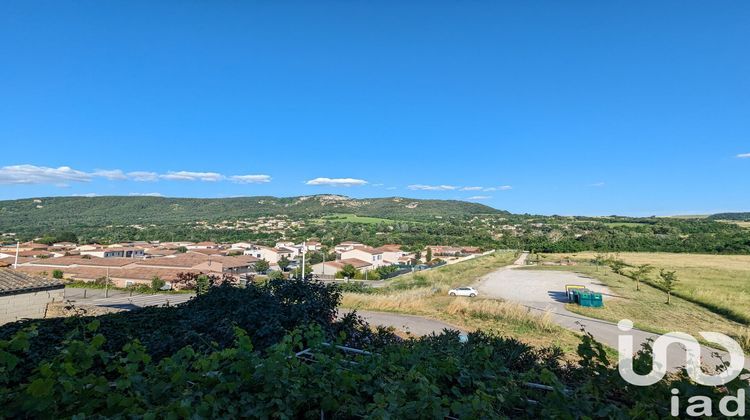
(719, 282)
(715, 290)
(425, 294)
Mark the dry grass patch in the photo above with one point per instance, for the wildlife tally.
(720, 282)
(426, 294)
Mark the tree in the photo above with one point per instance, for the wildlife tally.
(417, 256)
(182, 249)
(428, 256)
(348, 271)
(669, 281)
(617, 265)
(261, 266)
(599, 260)
(202, 284)
(284, 263)
(57, 274)
(157, 283)
(276, 275)
(640, 274)
(298, 271)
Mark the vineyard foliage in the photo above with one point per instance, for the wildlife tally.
(234, 352)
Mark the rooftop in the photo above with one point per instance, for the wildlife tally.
(12, 281)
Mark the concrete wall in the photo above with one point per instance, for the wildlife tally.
(28, 305)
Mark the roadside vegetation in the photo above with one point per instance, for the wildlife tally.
(268, 351)
(713, 276)
(426, 293)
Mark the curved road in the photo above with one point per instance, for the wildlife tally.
(544, 292)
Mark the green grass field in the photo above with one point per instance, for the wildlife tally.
(713, 293)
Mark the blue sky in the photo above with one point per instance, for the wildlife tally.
(580, 107)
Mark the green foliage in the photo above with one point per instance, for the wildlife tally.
(283, 263)
(182, 249)
(202, 285)
(261, 266)
(668, 280)
(428, 255)
(57, 274)
(276, 275)
(432, 377)
(347, 271)
(157, 283)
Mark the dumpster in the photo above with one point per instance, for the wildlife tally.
(584, 297)
(596, 300)
(570, 289)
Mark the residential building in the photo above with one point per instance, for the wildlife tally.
(365, 253)
(24, 296)
(330, 268)
(115, 252)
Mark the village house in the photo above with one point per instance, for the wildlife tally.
(272, 255)
(330, 268)
(24, 296)
(346, 246)
(365, 253)
(115, 252)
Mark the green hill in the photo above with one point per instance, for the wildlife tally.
(39, 214)
(731, 216)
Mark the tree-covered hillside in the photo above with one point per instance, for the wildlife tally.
(66, 213)
(731, 216)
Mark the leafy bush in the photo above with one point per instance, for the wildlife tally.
(235, 353)
(57, 274)
(157, 283)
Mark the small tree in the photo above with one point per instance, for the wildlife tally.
(182, 249)
(669, 281)
(640, 274)
(599, 260)
(276, 275)
(284, 263)
(202, 284)
(308, 271)
(157, 283)
(57, 274)
(417, 256)
(428, 255)
(262, 266)
(348, 271)
(617, 265)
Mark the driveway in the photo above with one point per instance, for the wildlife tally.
(544, 292)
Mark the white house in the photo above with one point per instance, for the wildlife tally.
(346, 246)
(116, 253)
(365, 253)
(272, 255)
(330, 268)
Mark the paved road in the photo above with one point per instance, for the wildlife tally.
(544, 291)
(415, 325)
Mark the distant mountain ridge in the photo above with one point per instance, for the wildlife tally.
(731, 216)
(61, 212)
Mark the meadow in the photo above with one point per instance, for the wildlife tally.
(712, 294)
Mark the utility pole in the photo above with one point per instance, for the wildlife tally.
(106, 284)
(15, 264)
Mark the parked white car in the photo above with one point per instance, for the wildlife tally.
(463, 291)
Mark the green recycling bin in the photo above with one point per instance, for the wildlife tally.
(596, 300)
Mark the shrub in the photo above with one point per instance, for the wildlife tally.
(57, 274)
(157, 283)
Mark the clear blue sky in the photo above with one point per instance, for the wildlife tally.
(575, 107)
